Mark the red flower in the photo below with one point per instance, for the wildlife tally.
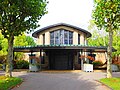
(89, 57)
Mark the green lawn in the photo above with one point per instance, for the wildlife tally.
(6, 83)
(114, 83)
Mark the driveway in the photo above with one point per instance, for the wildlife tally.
(61, 81)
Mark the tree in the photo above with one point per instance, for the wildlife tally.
(17, 16)
(3, 48)
(116, 43)
(99, 37)
(30, 41)
(21, 40)
(3, 45)
(107, 16)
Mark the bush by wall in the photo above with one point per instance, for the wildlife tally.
(1, 66)
(97, 63)
(21, 64)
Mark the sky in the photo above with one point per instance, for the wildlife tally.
(74, 12)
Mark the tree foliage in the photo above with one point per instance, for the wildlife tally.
(30, 41)
(17, 16)
(116, 43)
(107, 17)
(3, 45)
(98, 40)
(107, 13)
(99, 37)
(21, 40)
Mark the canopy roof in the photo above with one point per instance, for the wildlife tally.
(37, 48)
(36, 33)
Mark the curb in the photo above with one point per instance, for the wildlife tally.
(104, 85)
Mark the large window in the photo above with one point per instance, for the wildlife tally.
(61, 37)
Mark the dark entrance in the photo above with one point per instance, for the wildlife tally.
(61, 60)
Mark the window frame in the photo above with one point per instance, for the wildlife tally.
(61, 37)
(78, 38)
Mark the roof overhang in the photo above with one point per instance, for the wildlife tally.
(37, 48)
(36, 33)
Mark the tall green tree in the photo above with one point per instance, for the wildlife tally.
(30, 41)
(3, 48)
(3, 45)
(99, 37)
(17, 16)
(107, 17)
(116, 43)
(21, 40)
(96, 39)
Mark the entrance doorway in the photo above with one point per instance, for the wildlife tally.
(60, 60)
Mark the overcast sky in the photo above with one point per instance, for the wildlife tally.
(75, 12)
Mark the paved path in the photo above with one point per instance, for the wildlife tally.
(61, 81)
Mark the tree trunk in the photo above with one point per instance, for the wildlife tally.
(9, 57)
(109, 57)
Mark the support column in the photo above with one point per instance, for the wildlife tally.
(85, 42)
(86, 60)
(40, 58)
(40, 40)
(81, 61)
(30, 55)
(75, 38)
(47, 38)
(82, 39)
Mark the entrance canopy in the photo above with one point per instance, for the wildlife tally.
(37, 48)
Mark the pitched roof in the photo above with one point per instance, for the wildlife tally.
(35, 34)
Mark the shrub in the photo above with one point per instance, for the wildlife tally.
(22, 64)
(97, 63)
(1, 66)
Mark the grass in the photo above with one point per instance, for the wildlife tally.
(7, 83)
(113, 83)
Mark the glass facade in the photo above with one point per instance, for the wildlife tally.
(61, 37)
